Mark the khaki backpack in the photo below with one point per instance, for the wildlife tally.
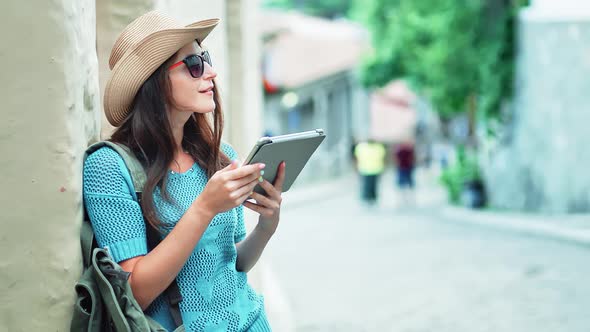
(105, 301)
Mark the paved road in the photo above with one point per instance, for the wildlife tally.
(347, 268)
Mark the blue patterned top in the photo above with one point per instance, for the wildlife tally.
(215, 296)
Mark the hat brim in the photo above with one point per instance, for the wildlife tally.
(136, 65)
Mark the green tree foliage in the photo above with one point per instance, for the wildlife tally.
(324, 8)
(459, 173)
(452, 51)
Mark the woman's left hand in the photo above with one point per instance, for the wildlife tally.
(269, 205)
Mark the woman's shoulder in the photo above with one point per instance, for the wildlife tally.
(103, 156)
(105, 161)
(105, 173)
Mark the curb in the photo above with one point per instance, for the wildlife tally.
(573, 229)
(277, 305)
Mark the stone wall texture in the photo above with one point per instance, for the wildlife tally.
(50, 99)
(545, 167)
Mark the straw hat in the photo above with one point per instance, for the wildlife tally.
(141, 48)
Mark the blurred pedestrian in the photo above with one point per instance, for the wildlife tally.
(404, 157)
(370, 161)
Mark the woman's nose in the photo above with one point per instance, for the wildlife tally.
(209, 72)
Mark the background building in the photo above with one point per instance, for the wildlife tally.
(309, 68)
(541, 164)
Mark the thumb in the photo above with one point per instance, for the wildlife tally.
(233, 165)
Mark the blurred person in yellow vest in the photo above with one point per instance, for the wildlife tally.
(370, 161)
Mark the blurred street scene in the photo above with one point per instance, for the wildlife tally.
(475, 218)
(343, 267)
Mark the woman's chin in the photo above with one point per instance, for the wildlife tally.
(205, 108)
(210, 109)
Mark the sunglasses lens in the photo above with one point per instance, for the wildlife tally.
(195, 66)
(207, 58)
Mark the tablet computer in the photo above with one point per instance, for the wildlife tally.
(294, 149)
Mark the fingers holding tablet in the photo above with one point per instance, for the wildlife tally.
(294, 149)
(280, 179)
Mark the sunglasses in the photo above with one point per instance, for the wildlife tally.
(195, 63)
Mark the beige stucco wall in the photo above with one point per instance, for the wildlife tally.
(49, 94)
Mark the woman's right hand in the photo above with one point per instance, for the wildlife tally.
(229, 187)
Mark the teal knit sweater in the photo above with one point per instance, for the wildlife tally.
(215, 296)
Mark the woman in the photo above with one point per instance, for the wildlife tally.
(159, 97)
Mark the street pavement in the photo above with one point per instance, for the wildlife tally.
(336, 265)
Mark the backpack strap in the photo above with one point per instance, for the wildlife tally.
(87, 242)
(139, 178)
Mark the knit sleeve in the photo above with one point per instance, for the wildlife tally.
(240, 230)
(110, 202)
(229, 151)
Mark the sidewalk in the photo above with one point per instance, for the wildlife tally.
(299, 196)
(262, 277)
(430, 198)
(573, 228)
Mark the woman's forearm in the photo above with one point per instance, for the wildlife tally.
(154, 272)
(251, 248)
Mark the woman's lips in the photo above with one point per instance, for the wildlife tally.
(207, 90)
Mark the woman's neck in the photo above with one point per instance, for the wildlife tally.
(178, 135)
(177, 122)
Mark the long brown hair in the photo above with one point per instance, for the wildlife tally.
(147, 132)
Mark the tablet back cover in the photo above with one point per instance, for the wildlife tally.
(294, 152)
